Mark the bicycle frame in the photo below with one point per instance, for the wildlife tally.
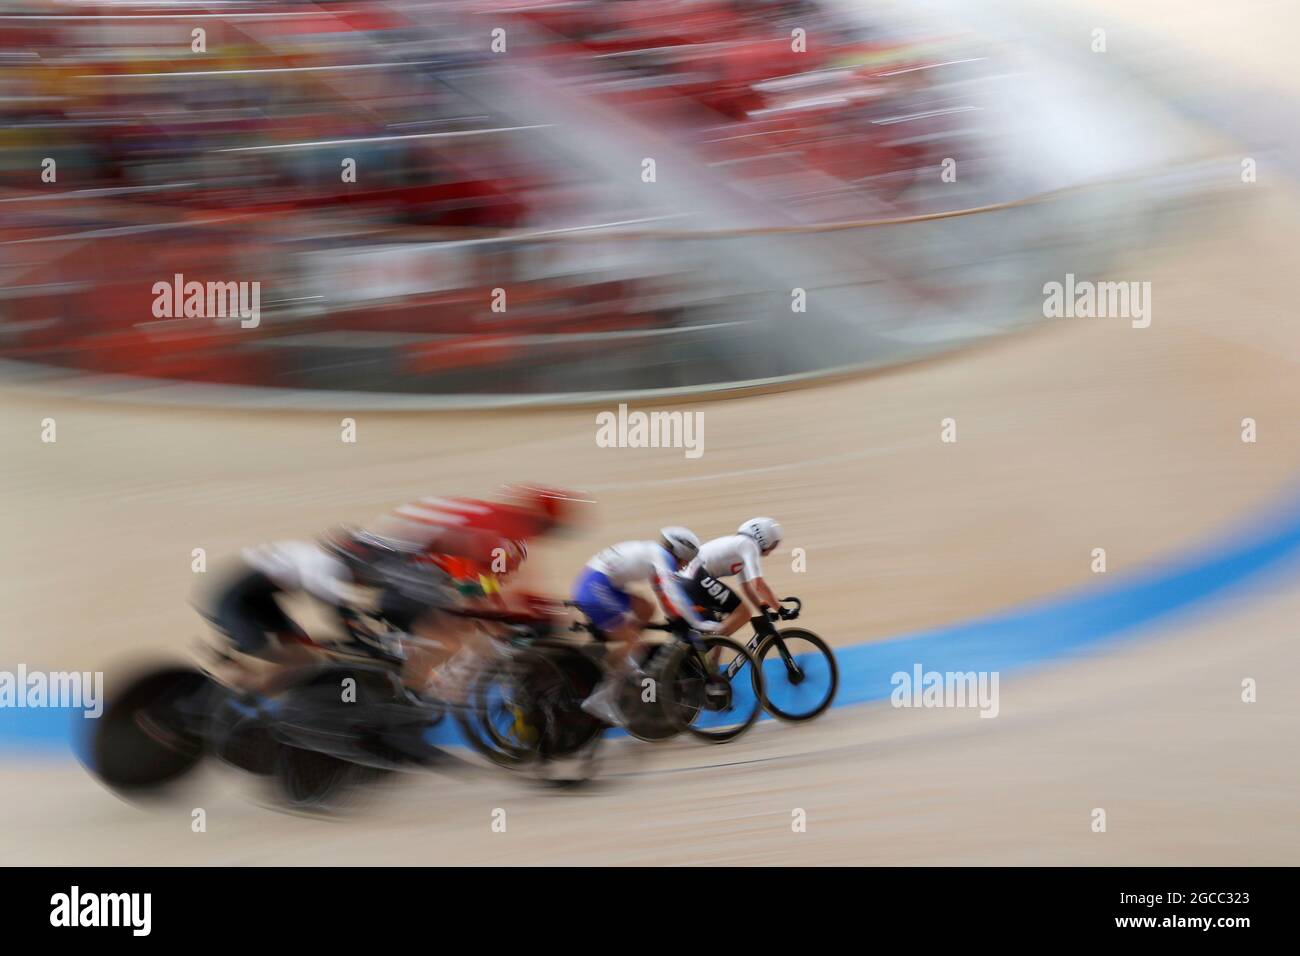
(763, 629)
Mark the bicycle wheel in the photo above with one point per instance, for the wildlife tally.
(707, 715)
(309, 780)
(800, 675)
(143, 740)
(503, 725)
(567, 728)
(646, 715)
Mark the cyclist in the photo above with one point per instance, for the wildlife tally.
(738, 554)
(601, 593)
(246, 608)
(473, 544)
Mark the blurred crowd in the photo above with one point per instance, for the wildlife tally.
(353, 159)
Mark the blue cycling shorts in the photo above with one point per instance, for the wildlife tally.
(597, 597)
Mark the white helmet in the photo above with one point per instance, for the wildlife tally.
(765, 531)
(681, 542)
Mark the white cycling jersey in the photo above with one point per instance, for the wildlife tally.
(301, 566)
(631, 561)
(723, 557)
(647, 562)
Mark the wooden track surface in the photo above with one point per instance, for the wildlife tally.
(1082, 433)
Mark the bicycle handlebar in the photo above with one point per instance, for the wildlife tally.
(784, 613)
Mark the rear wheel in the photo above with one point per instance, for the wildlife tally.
(647, 716)
(714, 702)
(569, 729)
(309, 780)
(800, 675)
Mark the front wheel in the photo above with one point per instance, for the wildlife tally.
(504, 723)
(715, 702)
(147, 736)
(800, 675)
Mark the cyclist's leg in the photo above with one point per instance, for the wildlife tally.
(620, 617)
(417, 601)
(421, 627)
(445, 658)
(449, 654)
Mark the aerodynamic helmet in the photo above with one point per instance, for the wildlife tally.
(682, 542)
(766, 531)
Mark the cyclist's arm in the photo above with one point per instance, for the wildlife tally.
(674, 600)
(759, 593)
(752, 581)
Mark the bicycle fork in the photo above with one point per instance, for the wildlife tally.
(763, 628)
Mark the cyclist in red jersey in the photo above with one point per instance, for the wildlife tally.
(471, 545)
(470, 527)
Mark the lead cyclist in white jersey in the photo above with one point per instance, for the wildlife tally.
(738, 554)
